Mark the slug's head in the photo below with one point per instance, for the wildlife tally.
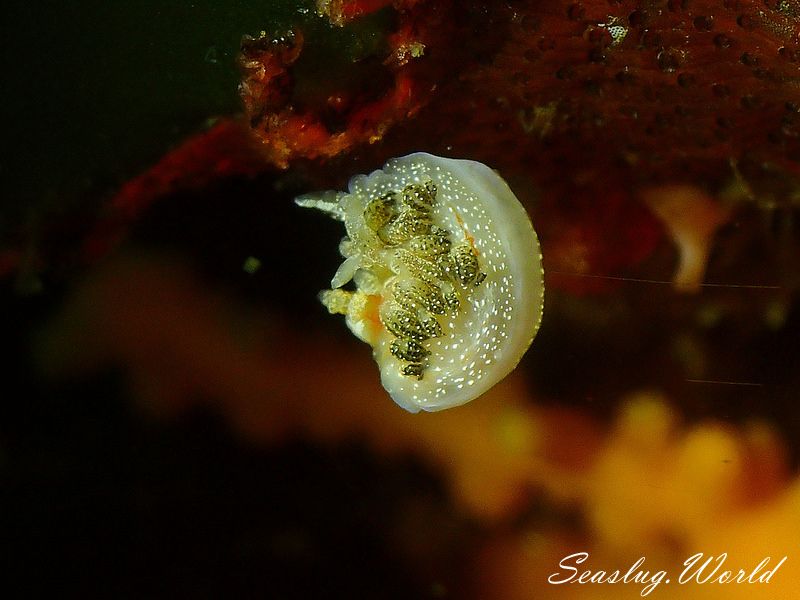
(444, 276)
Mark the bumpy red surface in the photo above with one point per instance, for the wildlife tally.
(653, 88)
(581, 105)
(673, 89)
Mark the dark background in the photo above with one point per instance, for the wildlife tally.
(101, 498)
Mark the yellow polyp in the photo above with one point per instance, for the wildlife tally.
(692, 230)
(538, 120)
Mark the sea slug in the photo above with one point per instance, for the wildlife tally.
(445, 276)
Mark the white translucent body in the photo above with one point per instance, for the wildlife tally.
(497, 319)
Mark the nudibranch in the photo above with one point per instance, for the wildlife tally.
(445, 274)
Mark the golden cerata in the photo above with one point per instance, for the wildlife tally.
(443, 274)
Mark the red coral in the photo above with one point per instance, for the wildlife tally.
(666, 91)
(289, 131)
(226, 150)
